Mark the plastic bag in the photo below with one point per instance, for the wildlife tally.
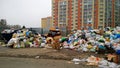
(112, 65)
(76, 61)
(103, 62)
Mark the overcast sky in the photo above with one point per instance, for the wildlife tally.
(25, 12)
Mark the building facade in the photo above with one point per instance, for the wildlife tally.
(112, 13)
(118, 24)
(117, 12)
(46, 23)
(87, 14)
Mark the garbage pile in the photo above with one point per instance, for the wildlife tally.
(96, 61)
(24, 38)
(101, 42)
(98, 41)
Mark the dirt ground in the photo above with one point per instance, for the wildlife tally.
(10, 62)
(44, 53)
(64, 54)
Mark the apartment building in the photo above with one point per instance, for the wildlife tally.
(87, 14)
(46, 22)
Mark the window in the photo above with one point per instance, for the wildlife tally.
(101, 15)
(101, 19)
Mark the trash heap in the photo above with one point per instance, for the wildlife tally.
(99, 41)
(98, 62)
(25, 38)
(105, 42)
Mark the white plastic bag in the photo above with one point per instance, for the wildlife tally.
(76, 61)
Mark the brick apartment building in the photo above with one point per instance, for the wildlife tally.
(87, 14)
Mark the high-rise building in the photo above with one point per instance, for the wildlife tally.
(87, 14)
(117, 12)
(46, 23)
(112, 13)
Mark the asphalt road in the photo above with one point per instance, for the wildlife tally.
(10, 62)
